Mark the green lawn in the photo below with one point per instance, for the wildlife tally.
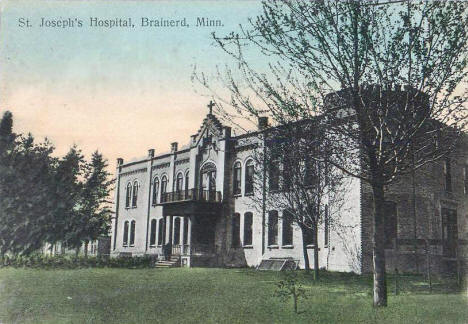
(211, 296)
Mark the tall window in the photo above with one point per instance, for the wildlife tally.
(187, 182)
(390, 223)
(161, 231)
(186, 228)
(177, 231)
(235, 230)
(448, 175)
(153, 233)
(248, 222)
(128, 195)
(179, 182)
(135, 194)
(163, 188)
(237, 178)
(132, 233)
(273, 175)
(287, 234)
(155, 191)
(308, 236)
(125, 234)
(327, 226)
(273, 227)
(249, 177)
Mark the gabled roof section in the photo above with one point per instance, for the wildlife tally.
(210, 123)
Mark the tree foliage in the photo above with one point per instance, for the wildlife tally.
(44, 199)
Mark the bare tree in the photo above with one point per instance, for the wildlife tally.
(345, 61)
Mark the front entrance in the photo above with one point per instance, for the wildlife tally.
(449, 232)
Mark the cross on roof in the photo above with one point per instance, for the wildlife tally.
(210, 106)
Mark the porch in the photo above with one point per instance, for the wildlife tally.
(190, 218)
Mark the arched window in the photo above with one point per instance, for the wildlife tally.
(163, 188)
(125, 234)
(135, 194)
(249, 177)
(287, 230)
(186, 182)
(155, 191)
(273, 227)
(237, 182)
(235, 230)
(128, 195)
(153, 233)
(160, 231)
(179, 182)
(132, 233)
(177, 231)
(208, 177)
(248, 222)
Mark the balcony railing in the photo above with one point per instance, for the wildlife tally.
(191, 195)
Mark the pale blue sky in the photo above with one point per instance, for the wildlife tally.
(120, 90)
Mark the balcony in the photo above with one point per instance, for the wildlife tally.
(198, 195)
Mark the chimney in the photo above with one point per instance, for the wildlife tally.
(174, 147)
(151, 153)
(262, 123)
(119, 161)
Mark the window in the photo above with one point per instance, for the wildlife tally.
(163, 188)
(235, 230)
(186, 229)
(135, 194)
(128, 195)
(273, 227)
(153, 233)
(161, 230)
(177, 231)
(125, 234)
(273, 172)
(249, 178)
(248, 222)
(237, 178)
(448, 175)
(155, 191)
(179, 182)
(186, 182)
(327, 227)
(287, 234)
(449, 232)
(390, 223)
(287, 176)
(132, 233)
(465, 179)
(308, 236)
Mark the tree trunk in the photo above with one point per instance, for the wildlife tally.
(316, 253)
(380, 283)
(304, 250)
(86, 249)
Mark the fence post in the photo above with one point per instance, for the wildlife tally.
(396, 282)
(428, 265)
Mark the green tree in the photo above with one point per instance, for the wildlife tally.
(25, 170)
(95, 203)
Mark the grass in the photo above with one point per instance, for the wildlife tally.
(201, 295)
